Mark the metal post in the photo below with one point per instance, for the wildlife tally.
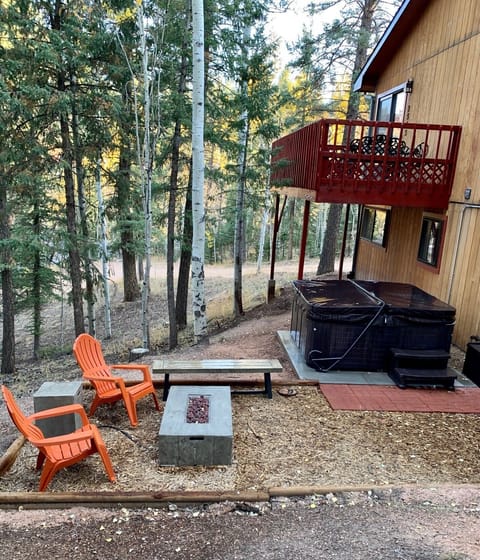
(344, 241)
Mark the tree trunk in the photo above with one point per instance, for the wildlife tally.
(68, 161)
(131, 288)
(198, 163)
(185, 259)
(329, 249)
(145, 159)
(239, 238)
(104, 252)
(80, 174)
(8, 298)
(291, 226)
(73, 252)
(327, 257)
(172, 205)
(36, 285)
(361, 53)
(125, 202)
(263, 229)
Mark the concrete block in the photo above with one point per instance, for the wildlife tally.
(182, 443)
(52, 394)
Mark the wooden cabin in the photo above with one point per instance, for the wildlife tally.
(415, 167)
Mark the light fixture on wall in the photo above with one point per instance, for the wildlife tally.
(467, 193)
(409, 86)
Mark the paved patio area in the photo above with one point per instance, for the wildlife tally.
(343, 377)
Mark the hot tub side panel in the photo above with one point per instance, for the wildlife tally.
(327, 318)
(338, 326)
(337, 344)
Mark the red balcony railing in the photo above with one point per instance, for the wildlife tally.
(368, 162)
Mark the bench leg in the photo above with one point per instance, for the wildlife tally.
(166, 386)
(268, 385)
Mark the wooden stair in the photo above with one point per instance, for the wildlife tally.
(421, 368)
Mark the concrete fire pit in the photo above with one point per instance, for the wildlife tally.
(52, 394)
(196, 427)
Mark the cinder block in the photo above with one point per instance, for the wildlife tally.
(52, 394)
(182, 443)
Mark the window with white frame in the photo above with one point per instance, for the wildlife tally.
(391, 106)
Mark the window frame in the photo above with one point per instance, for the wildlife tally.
(395, 95)
(428, 255)
(369, 225)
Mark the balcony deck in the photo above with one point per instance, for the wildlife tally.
(368, 162)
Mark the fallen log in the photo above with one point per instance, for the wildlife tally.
(297, 491)
(8, 458)
(128, 499)
(47, 500)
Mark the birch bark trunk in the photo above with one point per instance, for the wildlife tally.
(198, 174)
(104, 254)
(146, 169)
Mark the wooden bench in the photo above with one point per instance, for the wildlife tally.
(169, 367)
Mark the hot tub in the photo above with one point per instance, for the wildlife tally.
(346, 325)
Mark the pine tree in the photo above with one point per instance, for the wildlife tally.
(343, 44)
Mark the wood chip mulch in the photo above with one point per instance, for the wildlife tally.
(281, 442)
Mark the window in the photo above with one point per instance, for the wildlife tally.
(430, 240)
(375, 225)
(391, 106)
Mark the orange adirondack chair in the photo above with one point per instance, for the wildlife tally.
(109, 388)
(55, 453)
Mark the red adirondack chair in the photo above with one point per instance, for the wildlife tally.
(110, 388)
(58, 452)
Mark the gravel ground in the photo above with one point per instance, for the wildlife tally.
(426, 524)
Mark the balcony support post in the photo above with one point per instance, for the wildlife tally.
(344, 242)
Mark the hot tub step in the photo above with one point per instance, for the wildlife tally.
(418, 359)
(409, 377)
(420, 354)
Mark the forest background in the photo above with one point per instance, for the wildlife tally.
(96, 144)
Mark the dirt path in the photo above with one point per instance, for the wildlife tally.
(402, 525)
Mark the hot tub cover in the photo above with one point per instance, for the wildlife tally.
(409, 300)
(360, 300)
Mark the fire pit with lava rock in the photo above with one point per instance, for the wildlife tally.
(197, 409)
(196, 427)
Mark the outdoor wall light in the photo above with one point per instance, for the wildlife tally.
(409, 86)
(467, 193)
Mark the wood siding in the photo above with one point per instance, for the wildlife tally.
(442, 57)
